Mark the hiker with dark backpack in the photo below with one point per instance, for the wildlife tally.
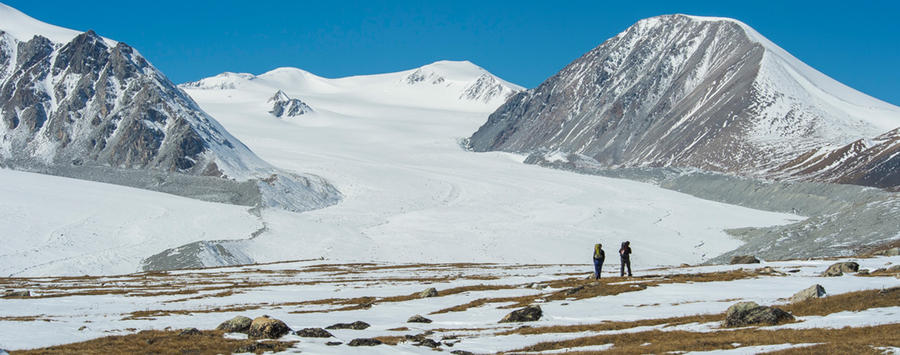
(599, 256)
(625, 256)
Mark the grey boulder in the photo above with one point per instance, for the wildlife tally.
(239, 324)
(814, 291)
(527, 314)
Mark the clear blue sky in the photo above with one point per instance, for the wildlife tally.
(855, 42)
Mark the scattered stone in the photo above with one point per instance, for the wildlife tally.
(313, 333)
(863, 272)
(744, 259)
(814, 291)
(265, 327)
(17, 294)
(574, 290)
(254, 347)
(793, 271)
(839, 269)
(189, 332)
(749, 313)
(685, 265)
(429, 343)
(461, 352)
(333, 343)
(527, 314)
(364, 342)
(358, 325)
(239, 324)
(418, 319)
(895, 251)
(767, 270)
(430, 292)
(83, 327)
(895, 268)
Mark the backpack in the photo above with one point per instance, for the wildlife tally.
(598, 252)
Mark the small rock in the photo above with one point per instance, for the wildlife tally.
(767, 270)
(249, 348)
(418, 319)
(17, 294)
(358, 325)
(429, 343)
(574, 290)
(430, 292)
(685, 265)
(83, 327)
(895, 251)
(239, 324)
(313, 333)
(895, 268)
(838, 269)
(749, 313)
(265, 327)
(527, 314)
(364, 342)
(793, 271)
(189, 332)
(461, 352)
(814, 291)
(333, 343)
(863, 272)
(744, 259)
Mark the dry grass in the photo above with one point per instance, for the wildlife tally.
(161, 342)
(835, 340)
(852, 301)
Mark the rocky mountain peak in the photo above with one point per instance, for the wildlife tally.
(286, 106)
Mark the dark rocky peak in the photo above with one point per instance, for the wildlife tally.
(86, 53)
(33, 51)
(286, 106)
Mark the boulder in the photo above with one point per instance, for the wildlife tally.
(418, 319)
(189, 332)
(750, 313)
(895, 268)
(744, 259)
(527, 314)
(313, 333)
(431, 343)
(333, 343)
(364, 342)
(838, 269)
(430, 292)
(895, 251)
(265, 327)
(814, 291)
(358, 325)
(239, 324)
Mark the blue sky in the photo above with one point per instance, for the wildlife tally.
(855, 42)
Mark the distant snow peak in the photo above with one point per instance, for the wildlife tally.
(485, 89)
(286, 106)
(224, 81)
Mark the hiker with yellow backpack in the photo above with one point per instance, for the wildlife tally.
(599, 256)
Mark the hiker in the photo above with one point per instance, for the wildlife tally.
(625, 256)
(599, 256)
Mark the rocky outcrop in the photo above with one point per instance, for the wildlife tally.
(269, 328)
(743, 259)
(812, 292)
(239, 324)
(313, 333)
(528, 314)
(838, 269)
(749, 313)
(357, 325)
(17, 294)
(286, 106)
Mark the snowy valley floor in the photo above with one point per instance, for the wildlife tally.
(657, 311)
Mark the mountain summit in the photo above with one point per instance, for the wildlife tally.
(711, 93)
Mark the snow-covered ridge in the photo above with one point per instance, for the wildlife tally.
(448, 84)
(23, 27)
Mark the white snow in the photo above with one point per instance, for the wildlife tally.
(23, 27)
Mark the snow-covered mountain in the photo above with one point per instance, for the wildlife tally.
(711, 93)
(286, 106)
(444, 84)
(77, 104)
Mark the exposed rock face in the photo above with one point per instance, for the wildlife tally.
(313, 333)
(239, 324)
(683, 91)
(838, 269)
(750, 313)
(418, 319)
(527, 314)
(270, 328)
(814, 291)
(90, 107)
(358, 325)
(430, 292)
(364, 342)
(17, 294)
(744, 259)
(286, 106)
